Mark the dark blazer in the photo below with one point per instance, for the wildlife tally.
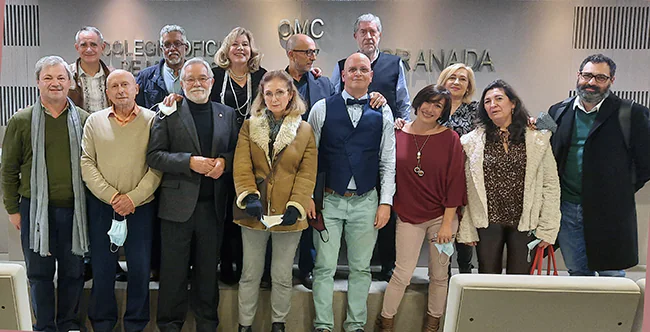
(609, 208)
(152, 86)
(172, 141)
(319, 88)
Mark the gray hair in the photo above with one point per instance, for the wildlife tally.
(89, 29)
(48, 61)
(367, 18)
(196, 60)
(171, 28)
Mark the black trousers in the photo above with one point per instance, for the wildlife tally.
(386, 243)
(202, 233)
(232, 251)
(489, 249)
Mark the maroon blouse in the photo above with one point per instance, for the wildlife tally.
(420, 199)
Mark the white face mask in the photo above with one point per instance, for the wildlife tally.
(117, 233)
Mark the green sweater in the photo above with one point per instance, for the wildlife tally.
(572, 178)
(17, 159)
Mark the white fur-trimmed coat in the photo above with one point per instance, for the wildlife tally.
(541, 206)
(294, 178)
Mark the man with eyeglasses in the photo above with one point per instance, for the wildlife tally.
(602, 148)
(390, 81)
(193, 145)
(302, 52)
(357, 154)
(159, 80)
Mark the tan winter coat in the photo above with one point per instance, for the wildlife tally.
(541, 206)
(293, 181)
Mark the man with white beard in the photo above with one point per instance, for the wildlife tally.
(193, 146)
(161, 79)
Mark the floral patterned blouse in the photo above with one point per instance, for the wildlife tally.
(464, 119)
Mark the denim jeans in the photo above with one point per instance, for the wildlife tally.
(51, 315)
(572, 243)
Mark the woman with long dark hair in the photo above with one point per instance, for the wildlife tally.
(512, 184)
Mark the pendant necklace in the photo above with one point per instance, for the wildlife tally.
(246, 105)
(418, 169)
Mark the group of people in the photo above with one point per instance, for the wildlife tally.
(198, 167)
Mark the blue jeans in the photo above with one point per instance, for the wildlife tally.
(102, 309)
(40, 272)
(572, 243)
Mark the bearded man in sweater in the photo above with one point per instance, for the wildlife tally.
(114, 167)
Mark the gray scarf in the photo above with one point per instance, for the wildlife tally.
(38, 208)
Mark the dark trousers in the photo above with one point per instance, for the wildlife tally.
(489, 250)
(155, 237)
(386, 243)
(102, 309)
(464, 255)
(307, 252)
(62, 315)
(231, 249)
(203, 233)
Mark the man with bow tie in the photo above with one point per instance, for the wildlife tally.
(356, 148)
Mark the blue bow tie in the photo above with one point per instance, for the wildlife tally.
(353, 101)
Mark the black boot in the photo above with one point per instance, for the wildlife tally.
(277, 327)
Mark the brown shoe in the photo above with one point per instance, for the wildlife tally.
(432, 324)
(384, 324)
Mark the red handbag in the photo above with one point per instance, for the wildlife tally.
(539, 259)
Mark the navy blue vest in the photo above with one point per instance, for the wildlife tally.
(384, 79)
(346, 151)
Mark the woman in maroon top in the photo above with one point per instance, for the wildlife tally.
(430, 183)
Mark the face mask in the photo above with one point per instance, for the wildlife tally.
(117, 233)
(531, 245)
(445, 248)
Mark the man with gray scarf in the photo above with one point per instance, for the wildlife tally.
(44, 195)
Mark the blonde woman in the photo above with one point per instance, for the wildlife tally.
(458, 79)
(276, 148)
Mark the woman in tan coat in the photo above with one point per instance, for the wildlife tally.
(276, 153)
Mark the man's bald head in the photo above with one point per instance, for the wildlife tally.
(300, 42)
(121, 89)
(357, 74)
(302, 52)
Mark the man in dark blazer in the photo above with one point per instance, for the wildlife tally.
(193, 147)
(302, 52)
(602, 148)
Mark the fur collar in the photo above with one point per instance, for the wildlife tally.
(259, 133)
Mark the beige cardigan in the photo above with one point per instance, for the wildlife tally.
(541, 206)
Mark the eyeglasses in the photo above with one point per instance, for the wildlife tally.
(202, 80)
(177, 45)
(309, 52)
(277, 94)
(600, 78)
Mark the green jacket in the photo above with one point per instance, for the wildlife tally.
(16, 168)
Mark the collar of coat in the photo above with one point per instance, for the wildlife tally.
(537, 142)
(259, 132)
